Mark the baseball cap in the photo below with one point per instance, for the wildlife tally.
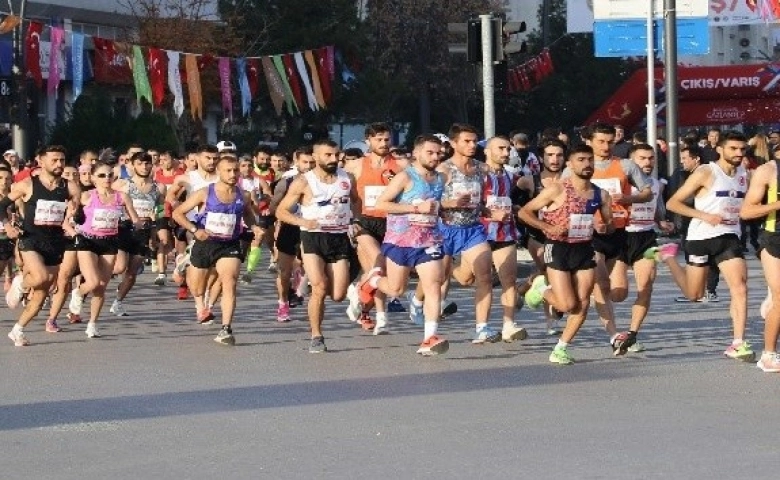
(442, 137)
(226, 146)
(10, 152)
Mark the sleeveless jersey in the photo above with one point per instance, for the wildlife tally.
(495, 195)
(102, 219)
(461, 184)
(770, 222)
(575, 213)
(222, 220)
(144, 204)
(196, 182)
(642, 217)
(614, 180)
(372, 183)
(724, 198)
(162, 179)
(44, 212)
(330, 203)
(416, 230)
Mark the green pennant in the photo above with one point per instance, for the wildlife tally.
(140, 77)
(288, 95)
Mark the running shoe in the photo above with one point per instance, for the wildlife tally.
(92, 331)
(15, 293)
(395, 306)
(317, 345)
(365, 321)
(205, 317)
(486, 335)
(511, 332)
(353, 309)
(415, 313)
(18, 338)
(76, 303)
(449, 310)
(433, 345)
(662, 252)
(365, 291)
(769, 362)
(534, 297)
(560, 355)
(225, 336)
(160, 280)
(180, 266)
(73, 317)
(272, 268)
(740, 352)
(118, 309)
(294, 300)
(552, 327)
(381, 328)
(183, 292)
(636, 348)
(52, 327)
(622, 342)
(283, 312)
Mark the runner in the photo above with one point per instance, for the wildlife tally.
(288, 237)
(713, 235)
(146, 198)
(568, 210)
(762, 201)
(412, 241)
(217, 227)
(260, 192)
(641, 245)
(165, 174)
(266, 221)
(41, 241)
(372, 174)
(98, 239)
(328, 203)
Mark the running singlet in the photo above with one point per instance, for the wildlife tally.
(614, 180)
(723, 198)
(372, 183)
(461, 184)
(221, 220)
(196, 182)
(495, 196)
(44, 212)
(416, 230)
(330, 203)
(102, 219)
(770, 222)
(575, 213)
(162, 179)
(642, 218)
(144, 204)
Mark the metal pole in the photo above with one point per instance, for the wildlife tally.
(488, 92)
(19, 131)
(652, 129)
(670, 66)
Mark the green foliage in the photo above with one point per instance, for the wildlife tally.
(93, 123)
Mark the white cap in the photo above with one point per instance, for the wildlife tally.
(10, 152)
(226, 146)
(442, 137)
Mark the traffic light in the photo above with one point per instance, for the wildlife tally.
(502, 44)
(474, 40)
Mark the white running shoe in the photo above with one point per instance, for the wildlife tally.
(353, 310)
(76, 302)
(118, 309)
(92, 331)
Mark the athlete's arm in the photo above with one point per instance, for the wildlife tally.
(606, 226)
(196, 200)
(387, 201)
(18, 192)
(355, 202)
(293, 197)
(130, 209)
(528, 213)
(248, 215)
(638, 179)
(279, 192)
(753, 207)
(700, 178)
(178, 185)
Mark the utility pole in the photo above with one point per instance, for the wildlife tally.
(652, 129)
(19, 129)
(488, 92)
(670, 67)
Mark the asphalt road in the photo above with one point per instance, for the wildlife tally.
(157, 398)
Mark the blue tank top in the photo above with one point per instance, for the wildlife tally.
(416, 230)
(222, 220)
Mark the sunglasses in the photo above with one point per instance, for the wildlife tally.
(105, 175)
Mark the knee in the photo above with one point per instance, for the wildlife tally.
(568, 305)
(618, 294)
(338, 296)
(318, 289)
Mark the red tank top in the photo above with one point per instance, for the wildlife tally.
(372, 183)
(163, 179)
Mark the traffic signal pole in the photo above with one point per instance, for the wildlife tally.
(670, 64)
(488, 80)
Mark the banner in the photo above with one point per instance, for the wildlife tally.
(111, 67)
(224, 82)
(174, 82)
(77, 61)
(315, 78)
(275, 86)
(140, 78)
(301, 66)
(243, 86)
(193, 85)
(32, 52)
(157, 71)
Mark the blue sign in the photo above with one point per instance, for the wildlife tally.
(628, 38)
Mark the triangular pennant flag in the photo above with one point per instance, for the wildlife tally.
(243, 86)
(322, 71)
(57, 41)
(253, 76)
(301, 66)
(275, 86)
(32, 52)
(157, 73)
(174, 82)
(77, 61)
(315, 78)
(9, 23)
(223, 64)
(140, 79)
(288, 95)
(193, 85)
(293, 80)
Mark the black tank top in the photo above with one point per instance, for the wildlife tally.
(44, 212)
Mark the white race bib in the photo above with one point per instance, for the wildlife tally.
(495, 202)
(643, 213)
(424, 220)
(580, 226)
(49, 213)
(731, 208)
(144, 208)
(105, 221)
(371, 194)
(221, 225)
(335, 217)
(467, 188)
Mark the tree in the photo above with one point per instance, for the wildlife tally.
(580, 84)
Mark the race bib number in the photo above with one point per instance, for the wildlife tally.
(643, 213)
(731, 209)
(335, 217)
(424, 220)
(221, 225)
(499, 203)
(467, 188)
(105, 221)
(580, 226)
(144, 208)
(49, 213)
(371, 194)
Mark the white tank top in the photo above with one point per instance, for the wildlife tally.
(642, 218)
(724, 198)
(194, 183)
(330, 204)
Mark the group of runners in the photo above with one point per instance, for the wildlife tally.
(360, 228)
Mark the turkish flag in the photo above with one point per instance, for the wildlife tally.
(32, 52)
(253, 76)
(111, 67)
(323, 71)
(292, 78)
(158, 70)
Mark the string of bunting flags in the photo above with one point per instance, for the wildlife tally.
(524, 77)
(296, 81)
